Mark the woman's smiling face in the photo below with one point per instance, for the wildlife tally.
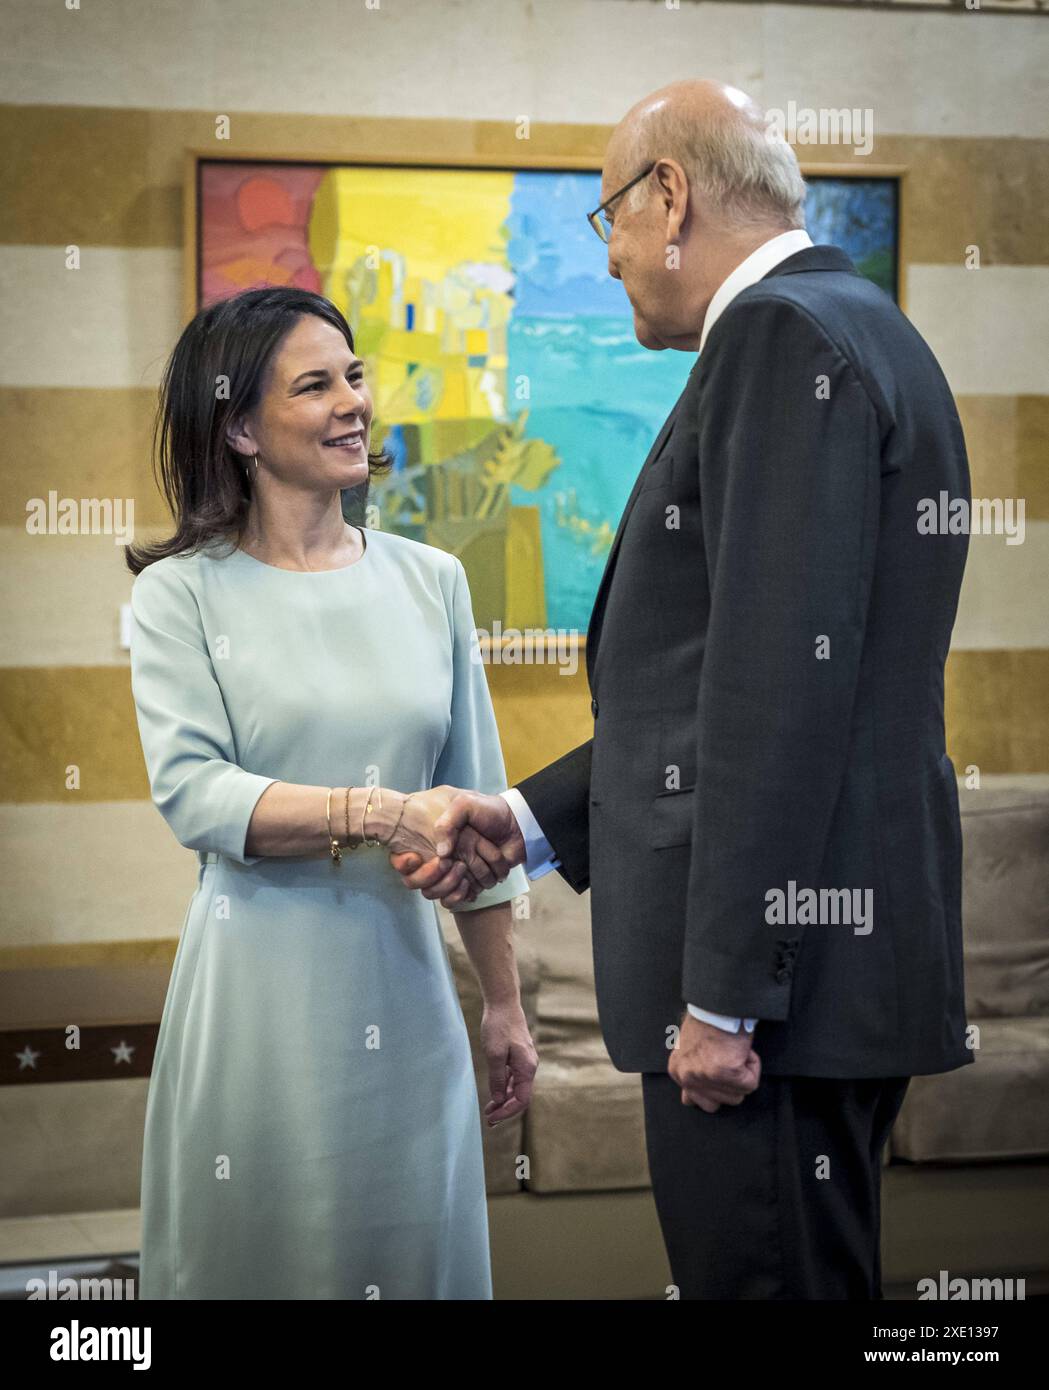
(313, 422)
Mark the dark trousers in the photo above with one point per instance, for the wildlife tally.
(776, 1198)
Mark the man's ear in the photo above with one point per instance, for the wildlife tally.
(673, 193)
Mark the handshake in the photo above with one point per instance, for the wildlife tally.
(467, 842)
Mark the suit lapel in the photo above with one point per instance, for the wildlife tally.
(602, 589)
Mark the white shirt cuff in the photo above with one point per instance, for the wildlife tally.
(540, 857)
(725, 1021)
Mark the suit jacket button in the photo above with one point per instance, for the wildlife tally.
(593, 708)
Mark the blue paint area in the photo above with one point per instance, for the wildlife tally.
(426, 388)
(394, 444)
(562, 267)
(859, 215)
(597, 396)
(599, 399)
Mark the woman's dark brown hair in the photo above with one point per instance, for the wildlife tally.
(213, 377)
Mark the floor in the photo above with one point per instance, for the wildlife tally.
(79, 1246)
(104, 1244)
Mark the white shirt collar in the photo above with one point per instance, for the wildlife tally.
(756, 266)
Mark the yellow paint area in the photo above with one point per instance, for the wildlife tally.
(432, 241)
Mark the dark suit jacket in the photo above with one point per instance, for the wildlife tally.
(766, 658)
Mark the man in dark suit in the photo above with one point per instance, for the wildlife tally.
(766, 816)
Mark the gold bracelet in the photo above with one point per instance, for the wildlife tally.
(336, 852)
(349, 837)
(397, 827)
(364, 819)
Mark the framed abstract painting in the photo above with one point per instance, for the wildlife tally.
(508, 384)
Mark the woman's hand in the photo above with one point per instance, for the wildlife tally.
(482, 834)
(512, 1060)
(415, 833)
(461, 877)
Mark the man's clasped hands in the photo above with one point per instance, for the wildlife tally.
(474, 842)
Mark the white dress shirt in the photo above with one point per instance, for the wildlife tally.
(540, 855)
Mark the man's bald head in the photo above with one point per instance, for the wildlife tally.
(746, 173)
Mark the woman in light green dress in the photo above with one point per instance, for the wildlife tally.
(312, 1126)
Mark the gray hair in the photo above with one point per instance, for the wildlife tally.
(739, 163)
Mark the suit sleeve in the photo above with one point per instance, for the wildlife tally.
(472, 757)
(559, 798)
(187, 742)
(789, 459)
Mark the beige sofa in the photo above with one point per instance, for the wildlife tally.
(966, 1182)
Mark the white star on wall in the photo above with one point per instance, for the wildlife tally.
(27, 1058)
(122, 1053)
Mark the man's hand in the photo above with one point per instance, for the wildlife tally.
(713, 1067)
(478, 842)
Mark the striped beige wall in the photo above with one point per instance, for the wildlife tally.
(102, 168)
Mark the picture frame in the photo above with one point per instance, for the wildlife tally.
(514, 592)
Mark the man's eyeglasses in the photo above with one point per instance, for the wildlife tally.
(599, 218)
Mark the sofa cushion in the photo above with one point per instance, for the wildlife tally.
(585, 1128)
(559, 929)
(1005, 897)
(994, 1109)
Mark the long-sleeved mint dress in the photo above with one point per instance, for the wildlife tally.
(312, 1125)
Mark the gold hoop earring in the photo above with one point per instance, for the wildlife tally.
(256, 458)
